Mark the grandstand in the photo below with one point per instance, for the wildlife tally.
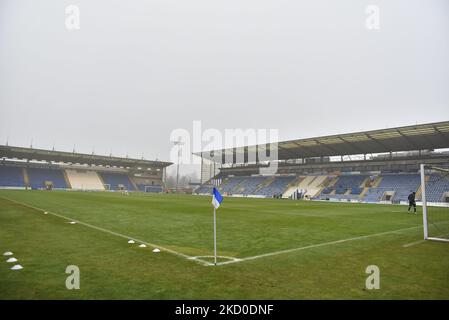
(27, 168)
(370, 166)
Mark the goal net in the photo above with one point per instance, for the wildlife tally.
(435, 201)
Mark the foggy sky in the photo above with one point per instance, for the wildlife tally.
(138, 69)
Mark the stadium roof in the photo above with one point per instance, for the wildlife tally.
(20, 153)
(417, 137)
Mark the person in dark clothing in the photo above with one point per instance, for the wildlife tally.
(411, 202)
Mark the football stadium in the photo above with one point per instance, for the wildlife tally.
(310, 231)
(216, 159)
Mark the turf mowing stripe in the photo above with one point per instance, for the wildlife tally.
(191, 258)
(315, 246)
(340, 216)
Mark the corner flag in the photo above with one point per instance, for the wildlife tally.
(217, 198)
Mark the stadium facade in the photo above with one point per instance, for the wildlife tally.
(28, 168)
(370, 166)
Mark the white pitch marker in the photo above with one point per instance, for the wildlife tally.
(45, 212)
(143, 246)
(8, 253)
(11, 260)
(156, 250)
(17, 267)
(131, 241)
(72, 222)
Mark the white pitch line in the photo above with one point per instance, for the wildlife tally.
(112, 232)
(315, 246)
(413, 243)
(421, 241)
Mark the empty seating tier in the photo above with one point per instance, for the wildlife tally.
(84, 180)
(11, 176)
(116, 181)
(346, 187)
(276, 187)
(229, 184)
(39, 178)
(436, 187)
(249, 185)
(400, 186)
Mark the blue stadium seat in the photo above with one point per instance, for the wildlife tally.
(436, 187)
(11, 176)
(229, 184)
(401, 184)
(343, 184)
(276, 187)
(249, 185)
(115, 179)
(38, 176)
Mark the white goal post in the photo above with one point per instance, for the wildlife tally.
(435, 218)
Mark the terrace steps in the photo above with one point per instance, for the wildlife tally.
(376, 182)
(332, 181)
(316, 186)
(102, 181)
(292, 187)
(364, 191)
(133, 183)
(365, 182)
(26, 179)
(66, 178)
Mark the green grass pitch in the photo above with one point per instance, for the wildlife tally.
(287, 249)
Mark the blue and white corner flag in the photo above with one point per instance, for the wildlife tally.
(217, 198)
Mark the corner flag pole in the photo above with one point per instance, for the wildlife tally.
(215, 237)
(216, 200)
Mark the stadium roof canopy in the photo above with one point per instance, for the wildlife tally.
(20, 153)
(417, 137)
